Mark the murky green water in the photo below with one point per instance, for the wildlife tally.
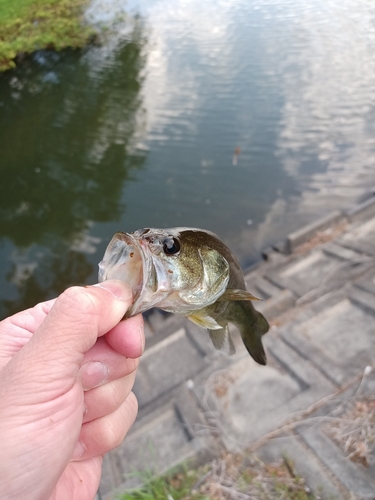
(143, 132)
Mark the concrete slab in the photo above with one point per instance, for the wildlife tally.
(275, 299)
(361, 238)
(364, 210)
(367, 283)
(306, 464)
(166, 437)
(342, 253)
(336, 333)
(260, 286)
(276, 305)
(304, 234)
(305, 273)
(184, 361)
(249, 400)
(354, 477)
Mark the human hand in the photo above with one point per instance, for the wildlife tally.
(67, 367)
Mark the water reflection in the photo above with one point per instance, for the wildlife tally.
(43, 272)
(208, 91)
(327, 137)
(66, 153)
(288, 85)
(320, 54)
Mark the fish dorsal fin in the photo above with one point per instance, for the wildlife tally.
(221, 338)
(235, 294)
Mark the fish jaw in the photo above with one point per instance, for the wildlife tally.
(124, 261)
(128, 259)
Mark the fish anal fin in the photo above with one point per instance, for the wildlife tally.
(236, 294)
(217, 337)
(221, 338)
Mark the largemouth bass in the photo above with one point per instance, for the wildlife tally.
(190, 272)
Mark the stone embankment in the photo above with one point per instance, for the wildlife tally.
(318, 290)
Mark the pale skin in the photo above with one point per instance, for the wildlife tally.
(67, 368)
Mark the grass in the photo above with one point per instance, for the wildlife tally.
(11, 10)
(354, 430)
(176, 486)
(29, 25)
(231, 477)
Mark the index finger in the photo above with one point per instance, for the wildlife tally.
(127, 337)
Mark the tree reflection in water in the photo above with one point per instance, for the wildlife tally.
(64, 162)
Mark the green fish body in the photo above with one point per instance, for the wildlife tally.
(190, 272)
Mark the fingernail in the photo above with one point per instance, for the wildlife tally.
(93, 374)
(79, 451)
(117, 288)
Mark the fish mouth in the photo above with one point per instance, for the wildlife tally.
(126, 260)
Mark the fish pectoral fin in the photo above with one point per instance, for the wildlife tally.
(204, 321)
(235, 294)
(221, 338)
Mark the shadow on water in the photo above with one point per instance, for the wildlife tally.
(67, 122)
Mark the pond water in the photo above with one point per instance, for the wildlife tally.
(246, 117)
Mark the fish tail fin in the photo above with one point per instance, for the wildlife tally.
(252, 326)
(251, 333)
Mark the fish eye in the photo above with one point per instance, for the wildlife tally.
(171, 246)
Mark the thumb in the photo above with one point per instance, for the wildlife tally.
(56, 350)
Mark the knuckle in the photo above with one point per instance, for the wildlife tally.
(115, 434)
(132, 365)
(113, 437)
(116, 396)
(133, 403)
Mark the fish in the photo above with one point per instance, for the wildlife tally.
(189, 272)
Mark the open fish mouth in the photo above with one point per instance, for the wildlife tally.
(126, 260)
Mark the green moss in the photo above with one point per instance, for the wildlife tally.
(29, 25)
(174, 486)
